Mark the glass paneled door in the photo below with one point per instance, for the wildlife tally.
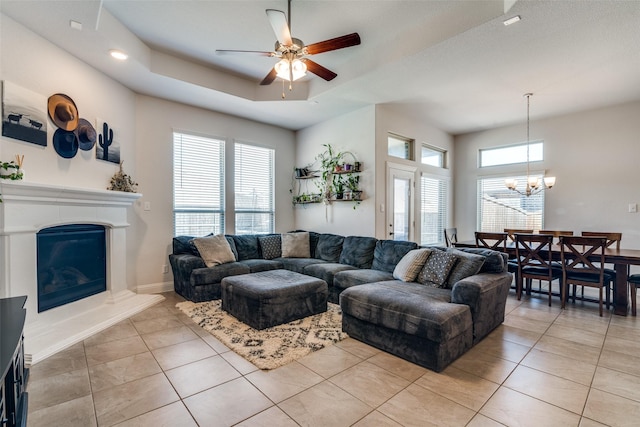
(400, 203)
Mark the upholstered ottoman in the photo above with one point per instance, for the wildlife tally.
(270, 298)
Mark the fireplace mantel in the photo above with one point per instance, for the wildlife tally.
(29, 207)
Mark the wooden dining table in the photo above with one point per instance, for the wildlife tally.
(620, 258)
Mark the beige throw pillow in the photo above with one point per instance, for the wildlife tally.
(410, 265)
(214, 250)
(296, 245)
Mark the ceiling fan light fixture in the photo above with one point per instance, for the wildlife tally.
(287, 69)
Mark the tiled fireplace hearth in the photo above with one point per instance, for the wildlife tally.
(29, 208)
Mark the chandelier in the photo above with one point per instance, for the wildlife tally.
(534, 185)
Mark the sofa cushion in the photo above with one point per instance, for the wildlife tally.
(349, 278)
(298, 264)
(408, 307)
(358, 251)
(247, 246)
(437, 268)
(270, 246)
(214, 250)
(410, 265)
(296, 245)
(326, 271)
(256, 265)
(329, 247)
(494, 262)
(182, 245)
(388, 253)
(209, 275)
(467, 265)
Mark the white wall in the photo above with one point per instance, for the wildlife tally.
(350, 132)
(594, 156)
(144, 125)
(156, 121)
(401, 121)
(31, 62)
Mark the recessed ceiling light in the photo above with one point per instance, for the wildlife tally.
(118, 54)
(511, 20)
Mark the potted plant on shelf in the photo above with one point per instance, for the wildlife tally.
(353, 184)
(338, 186)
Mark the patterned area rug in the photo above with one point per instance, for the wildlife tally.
(271, 347)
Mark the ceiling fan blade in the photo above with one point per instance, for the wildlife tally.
(319, 70)
(349, 40)
(250, 52)
(269, 78)
(279, 24)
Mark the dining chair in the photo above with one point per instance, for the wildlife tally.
(450, 236)
(583, 265)
(511, 232)
(613, 239)
(534, 256)
(634, 282)
(497, 242)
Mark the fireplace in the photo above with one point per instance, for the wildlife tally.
(72, 264)
(31, 218)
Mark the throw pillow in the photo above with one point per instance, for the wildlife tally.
(271, 246)
(494, 262)
(295, 245)
(437, 269)
(214, 250)
(410, 265)
(468, 264)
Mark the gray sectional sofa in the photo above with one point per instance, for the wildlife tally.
(428, 325)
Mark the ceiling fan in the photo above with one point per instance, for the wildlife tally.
(293, 53)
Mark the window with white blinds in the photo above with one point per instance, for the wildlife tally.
(254, 189)
(433, 210)
(198, 185)
(500, 208)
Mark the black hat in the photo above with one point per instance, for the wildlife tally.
(65, 143)
(86, 135)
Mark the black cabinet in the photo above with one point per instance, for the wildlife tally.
(13, 395)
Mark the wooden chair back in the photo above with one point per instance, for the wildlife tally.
(450, 236)
(529, 251)
(582, 261)
(495, 241)
(512, 232)
(556, 233)
(612, 238)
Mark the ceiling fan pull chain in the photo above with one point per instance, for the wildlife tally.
(283, 90)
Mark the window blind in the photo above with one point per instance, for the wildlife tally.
(254, 189)
(500, 208)
(198, 185)
(433, 210)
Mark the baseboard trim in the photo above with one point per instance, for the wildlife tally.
(155, 288)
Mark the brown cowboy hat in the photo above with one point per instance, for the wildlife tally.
(86, 135)
(63, 111)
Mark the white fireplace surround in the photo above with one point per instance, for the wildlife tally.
(28, 208)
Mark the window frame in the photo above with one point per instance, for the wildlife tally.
(409, 145)
(220, 210)
(443, 207)
(270, 212)
(511, 146)
(442, 155)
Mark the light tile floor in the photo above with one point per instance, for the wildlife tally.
(543, 367)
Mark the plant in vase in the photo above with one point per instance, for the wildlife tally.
(10, 170)
(353, 184)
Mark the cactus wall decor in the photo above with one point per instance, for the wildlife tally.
(107, 148)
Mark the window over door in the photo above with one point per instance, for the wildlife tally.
(500, 208)
(198, 185)
(254, 189)
(433, 209)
